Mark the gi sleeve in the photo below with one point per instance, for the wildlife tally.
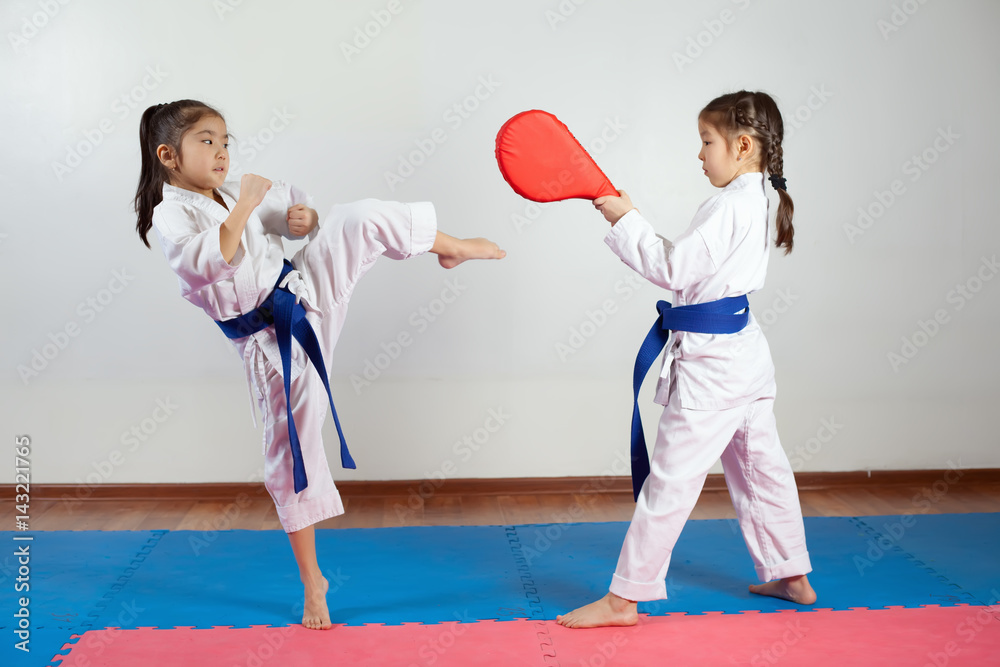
(195, 256)
(670, 265)
(273, 211)
(676, 265)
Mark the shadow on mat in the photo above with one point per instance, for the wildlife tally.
(688, 586)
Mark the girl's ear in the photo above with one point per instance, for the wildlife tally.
(744, 146)
(166, 155)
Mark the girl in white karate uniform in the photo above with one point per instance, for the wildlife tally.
(717, 389)
(223, 240)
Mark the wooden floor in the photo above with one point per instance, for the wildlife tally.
(255, 511)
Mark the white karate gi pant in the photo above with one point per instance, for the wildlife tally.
(760, 481)
(350, 239)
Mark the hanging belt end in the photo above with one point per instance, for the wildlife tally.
(347, 462)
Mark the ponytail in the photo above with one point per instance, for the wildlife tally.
(757, 114)
(161, 124)
(152, 176)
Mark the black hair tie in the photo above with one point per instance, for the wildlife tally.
(778, 183)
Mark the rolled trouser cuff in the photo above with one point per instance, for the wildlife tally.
(638, 592)
(792, 567)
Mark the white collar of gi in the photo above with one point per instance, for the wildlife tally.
(750, 180)
(207, 204)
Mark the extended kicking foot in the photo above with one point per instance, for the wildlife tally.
(316, 615)
(793, 589)
(609, 610)
(451, 251)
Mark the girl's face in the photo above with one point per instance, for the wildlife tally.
(718, 157)
(203, 162)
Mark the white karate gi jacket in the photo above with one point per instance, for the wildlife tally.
(723, 253)
(187, 226)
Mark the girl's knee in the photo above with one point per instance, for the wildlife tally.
(355, 215)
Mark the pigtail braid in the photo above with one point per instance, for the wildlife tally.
(786, 209)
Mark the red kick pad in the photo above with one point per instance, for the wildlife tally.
(541, 159)
(954, 636)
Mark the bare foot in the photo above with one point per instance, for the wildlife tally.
(451, 251)
(316, 615)
(793, 589)
(609, 610)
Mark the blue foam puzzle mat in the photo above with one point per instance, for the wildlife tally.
(389, 576)
(710, 569)
(941, 544)
(74, 573)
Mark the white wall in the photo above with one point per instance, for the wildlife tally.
(859, 102)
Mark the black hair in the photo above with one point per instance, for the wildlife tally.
(162, 124)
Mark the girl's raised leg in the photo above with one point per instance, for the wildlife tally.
(451, 251)
(315, 614)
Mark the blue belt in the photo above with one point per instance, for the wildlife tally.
(714, 317)
(289, 319)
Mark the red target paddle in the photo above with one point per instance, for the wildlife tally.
(541, 159)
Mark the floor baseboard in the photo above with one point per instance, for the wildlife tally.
(496, 486)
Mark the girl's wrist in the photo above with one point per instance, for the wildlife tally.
(618, 219)
(243, 209)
